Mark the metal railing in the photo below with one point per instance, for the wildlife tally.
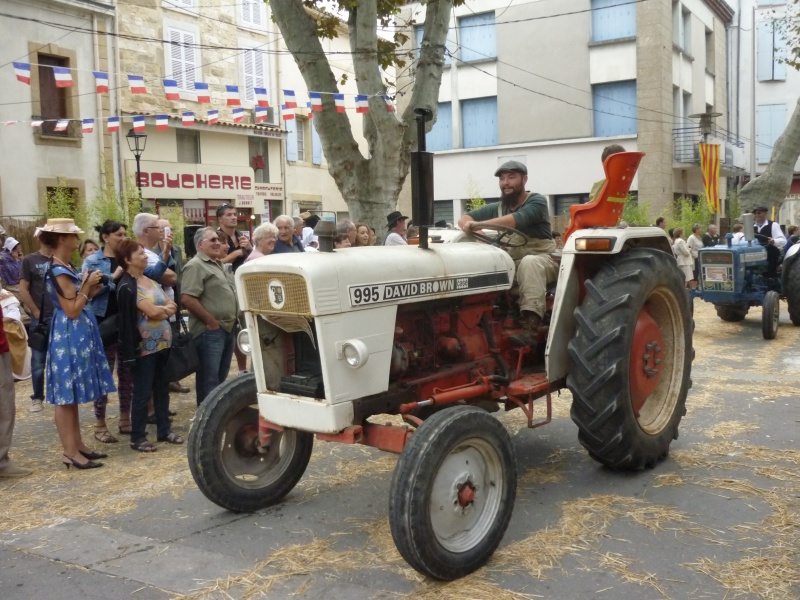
(685, 140)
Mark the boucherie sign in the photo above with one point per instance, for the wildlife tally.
(191, 181)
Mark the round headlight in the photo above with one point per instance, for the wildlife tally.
(355, 353)
(243, 341)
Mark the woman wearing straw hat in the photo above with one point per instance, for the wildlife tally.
(77, 370)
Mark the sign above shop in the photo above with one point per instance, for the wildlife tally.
(269, 191)
(194, 181)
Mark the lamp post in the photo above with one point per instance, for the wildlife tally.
(136, 144)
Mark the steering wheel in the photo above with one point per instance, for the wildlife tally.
(504, 240)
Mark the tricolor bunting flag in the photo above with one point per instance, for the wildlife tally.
(187, 119)
(37, 123)
(138, 123)
(136, 83)
(238, 115)
(113, 124)
(389, 104)
(362, 104)
(171, 89)
(289, 99)
(203, 95)
(288, 113)
(162, 122)
(7, 123)
(101, 82)
(63, 77)
(316, 100)
(62, 125)
(310, 110)
(261, 97)
(261, 114)
(88, 126)
(232, 95)
(709, 165)
(23, 72)
(212, 116)
(338, 99)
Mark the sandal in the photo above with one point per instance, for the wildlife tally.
(125, 426)
(172, 438)
(103, 435)
(143, 446)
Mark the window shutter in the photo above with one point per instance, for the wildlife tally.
(249, 78)
(765, 53)
(771, 121)
(612, 20)
(291, 140)
(479, 122)
(614, 108)
(247, 11)
(779, 55)
(477, 37)
(189, 62)
(316, 145)
(182, 58)
(441, 136)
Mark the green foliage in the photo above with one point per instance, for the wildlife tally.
(474, 197)
(734, 211)
(107, 204)
(174, 214)
(63, 202)
(687, 212)
(635, 212)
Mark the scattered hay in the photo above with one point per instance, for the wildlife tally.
(729, 429)
(668, 480)
(620, 565)
(767, 576)
(474, 587)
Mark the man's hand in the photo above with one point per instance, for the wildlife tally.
(770, 241)
(244, 243)
(213, 325)
(465, 222)
(167, 253)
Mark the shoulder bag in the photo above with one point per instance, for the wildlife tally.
(183, 359)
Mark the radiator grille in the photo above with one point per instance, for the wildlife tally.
(277, 293)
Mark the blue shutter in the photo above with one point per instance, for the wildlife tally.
(418, 31)
(779, 56)
(477, 37)
(479, 122)
(291, 140)
(612, 19)
(441, 136)
(614, 108)
(771, 121)
(764, 58)
(316, 145)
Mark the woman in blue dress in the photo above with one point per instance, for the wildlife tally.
(77, 370)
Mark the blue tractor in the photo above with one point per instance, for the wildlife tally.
(734, 277)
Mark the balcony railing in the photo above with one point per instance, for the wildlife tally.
(685, 140)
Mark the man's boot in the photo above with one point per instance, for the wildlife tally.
(530, 322)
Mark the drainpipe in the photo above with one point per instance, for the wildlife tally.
(753, 97)
(98, 101)
(117, 111)
(282, 154)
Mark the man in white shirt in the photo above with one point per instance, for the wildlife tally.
(396, 223)
(769, 234)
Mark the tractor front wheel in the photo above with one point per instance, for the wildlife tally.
(770, 315)
(453, 492)
(631, 360)
(226, 458)
(732, 312)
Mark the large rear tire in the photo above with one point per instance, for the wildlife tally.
(225, 459)
(732, 313)
(631, 360)
(792, 291)
(770, 315)
(453, 492)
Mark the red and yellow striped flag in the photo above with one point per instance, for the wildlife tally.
(709, 165)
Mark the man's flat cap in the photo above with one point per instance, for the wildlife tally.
(761, 208)
(511, 165)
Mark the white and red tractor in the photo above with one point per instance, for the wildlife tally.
(423, 332)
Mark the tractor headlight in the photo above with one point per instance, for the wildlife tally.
(243, 341)
(355, 353)
(594, 244)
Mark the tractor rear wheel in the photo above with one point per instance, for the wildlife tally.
(732, 312)
(770, 315)
(792, 291)
(631, 360)
(225, 457)
(453, 492)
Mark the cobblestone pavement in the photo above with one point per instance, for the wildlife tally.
(719, 519)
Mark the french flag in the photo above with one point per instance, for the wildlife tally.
(310, 110)
(136, 83)
(238, 115)
(101, 82)
(63, 77)
(23, 72)
(188, 119)
(162, 122)
(212, 116)
(62, 125)
(261, 114)
(171, 89)
(289, 99)
(37, 123)
(232, 95)
(7, 123)
(316, 100)
(88, 126)
(362, 104)
(203, 95)
(389, 104)
(338, 99)
(113, 124)
(261, 97)
(138, 123)
(288, 113)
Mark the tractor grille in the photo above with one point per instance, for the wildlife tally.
(262, 299)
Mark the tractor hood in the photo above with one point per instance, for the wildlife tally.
(324, 283)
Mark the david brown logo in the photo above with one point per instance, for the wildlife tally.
(276, 294)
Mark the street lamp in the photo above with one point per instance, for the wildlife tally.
(706, 122)
(136, 143)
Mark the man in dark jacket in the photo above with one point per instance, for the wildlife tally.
(287, 240)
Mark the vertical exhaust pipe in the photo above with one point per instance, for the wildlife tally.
(422, 180)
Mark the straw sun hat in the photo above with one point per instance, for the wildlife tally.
(61, 226)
